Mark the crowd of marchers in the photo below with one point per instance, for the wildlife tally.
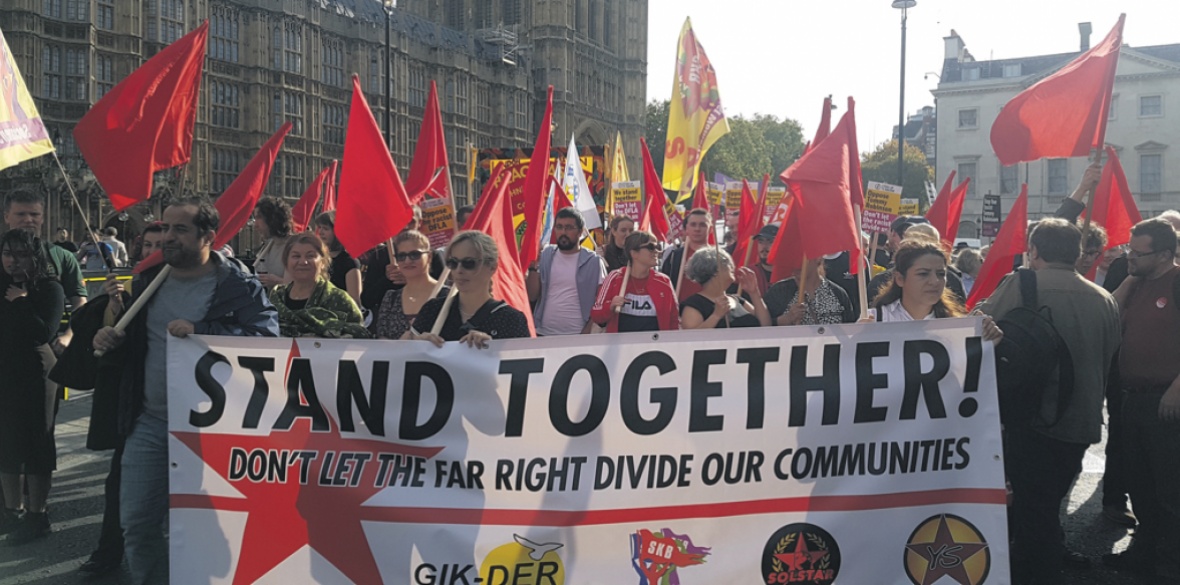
(1119, 322)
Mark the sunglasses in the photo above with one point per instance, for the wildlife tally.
(651, 247)
(1133, 254)
(414, 255)
(466, 263)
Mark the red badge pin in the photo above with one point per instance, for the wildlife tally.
(1161, 302)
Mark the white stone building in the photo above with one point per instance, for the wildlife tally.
(1144, 128)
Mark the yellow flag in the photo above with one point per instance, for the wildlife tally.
(695, 117)
(22, 134)
(618, 172)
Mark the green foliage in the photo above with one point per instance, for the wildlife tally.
(753, 147)
(881, 165)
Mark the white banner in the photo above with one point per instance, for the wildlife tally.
(854, 454)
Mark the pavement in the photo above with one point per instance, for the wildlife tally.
(76, 505)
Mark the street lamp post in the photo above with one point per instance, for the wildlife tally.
(389, 6)
(904, 6)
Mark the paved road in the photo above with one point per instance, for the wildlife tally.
(76, 514)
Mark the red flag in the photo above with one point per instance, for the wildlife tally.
(145, 123)
(237, 202)
(749, 222)
(786, 253)
(1062, 115)
(430, 154)
(303, 210)
(819, 181)
(856, 186)
(373, 205)
(947, 209)
(493, 216)
(534, 188)
(825, 123)
(653, 219)
(1114, 207)
(560, 201)
(1011, 242)
(478, 216)
(330, 191)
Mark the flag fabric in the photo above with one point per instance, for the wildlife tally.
(825, 123)
(1064, 114)
(749, 221)
(576, 188)
(534, 187)
(819, 183)
(786, 253)
(618, 171)
(1114, 207)
(1010, 242)
(301, 214)
(554, 200)
(478, 215)
(700, 200)
(856, 187)
(947, 209)
(372, 205)
(145, 123)
(654, 218)
(696, 119)
(237, 202)
(493, 216)
(22, 133)
(430, 155)
(330, 189)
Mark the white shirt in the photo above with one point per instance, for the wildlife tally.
(563, 313)
(894, 313)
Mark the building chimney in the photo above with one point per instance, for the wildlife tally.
(1084, 30)
(954, 46)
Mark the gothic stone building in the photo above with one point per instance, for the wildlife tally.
(275, 60)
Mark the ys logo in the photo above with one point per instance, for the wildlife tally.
(657, 556)
(801, 553)
(947, 545)
(522, 562)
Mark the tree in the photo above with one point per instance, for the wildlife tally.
(881, 165)
(656, 133)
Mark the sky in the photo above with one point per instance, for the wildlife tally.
(782, 57)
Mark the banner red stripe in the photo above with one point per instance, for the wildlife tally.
(636, 515)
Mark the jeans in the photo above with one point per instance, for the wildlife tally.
(1153, 462)
(1041, 470)
(143, 500)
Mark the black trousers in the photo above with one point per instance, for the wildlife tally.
(1041, 470)
(1153, 462)
(110, 540)
(1114, 475)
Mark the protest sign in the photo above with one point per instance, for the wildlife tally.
(845, 453)
(733, 196)
(882, 206)
(714, 191)
(628, 199)
(991, 215)
(438, 220)
(774, 196)
(908, 207)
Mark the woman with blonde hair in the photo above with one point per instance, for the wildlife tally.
(310, 305)
(399, 307)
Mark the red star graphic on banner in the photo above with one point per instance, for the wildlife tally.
(801, 554)
(283, 517)
(945, 556)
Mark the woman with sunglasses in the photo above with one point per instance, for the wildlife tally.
(30, 313)
(648, 303)
(344, 271)
(399, 307)
(474, 317)
(309, 305)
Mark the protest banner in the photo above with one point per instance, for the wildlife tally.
(846, 453)
(908, 207)
(715, 191)
(733, 195)
(882, 206)
(519, 168)
(438, 220)
(628, 199)
(22, 133)
(774, 196)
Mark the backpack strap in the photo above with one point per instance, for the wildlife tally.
(878, 312)
(1028, 287)
(1176, 291)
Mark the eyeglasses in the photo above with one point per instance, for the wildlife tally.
(1133, 254)
(466, 263)
(414, 255)
(1091, 253)
(652, 247)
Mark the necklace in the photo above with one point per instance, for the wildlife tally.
(466, 316)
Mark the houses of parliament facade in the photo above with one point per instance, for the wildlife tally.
(270, 61)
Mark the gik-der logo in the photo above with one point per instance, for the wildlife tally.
(947, 545)
(801, 553)
(522, 562)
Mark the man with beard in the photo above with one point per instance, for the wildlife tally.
(565, 280)
(1149, 376)
(205, 294)
(696, 232)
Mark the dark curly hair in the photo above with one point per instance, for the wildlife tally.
(23, 243)
(907, 253)
(277, 215)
